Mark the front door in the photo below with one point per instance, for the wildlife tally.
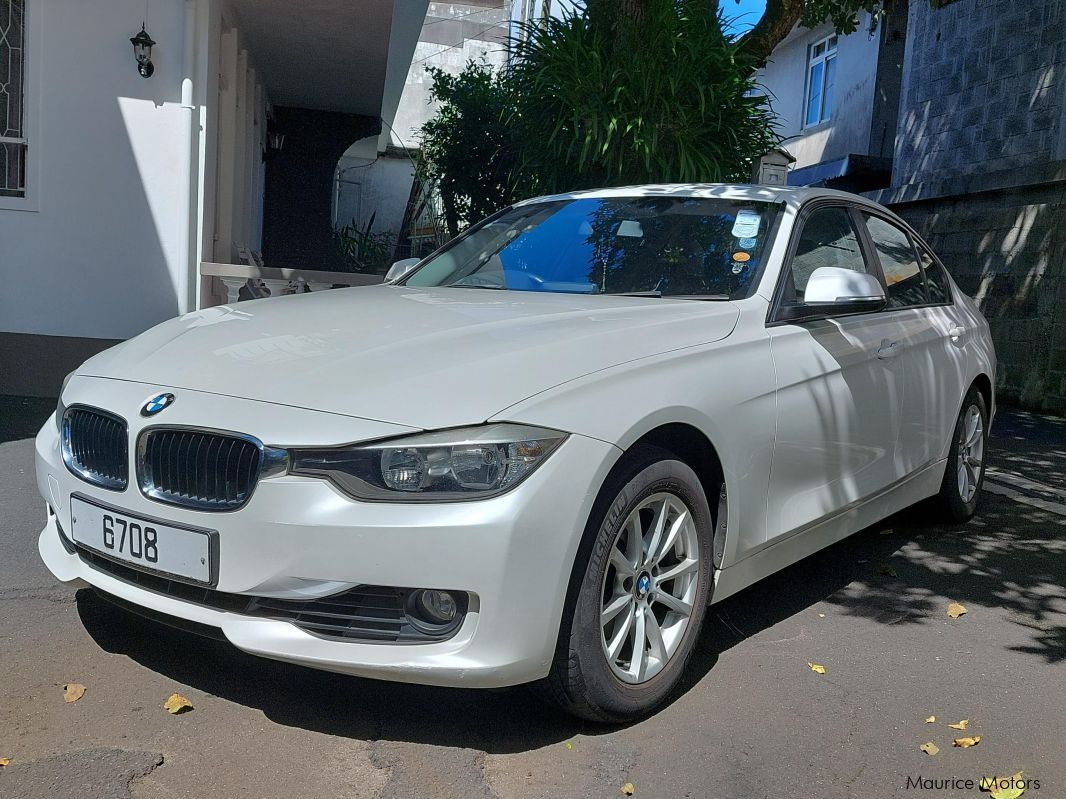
(840, 389)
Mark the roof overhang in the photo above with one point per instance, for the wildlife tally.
(350, 56)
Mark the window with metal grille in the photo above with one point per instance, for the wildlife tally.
(12, 98)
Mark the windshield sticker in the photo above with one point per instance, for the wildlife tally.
(747, 244)
(738, 268)
(741, 257)
(746, 225)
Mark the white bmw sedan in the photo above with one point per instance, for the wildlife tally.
(541, 453)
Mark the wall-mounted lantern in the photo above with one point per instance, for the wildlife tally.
(142, 51)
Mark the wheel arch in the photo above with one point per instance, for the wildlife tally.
(692, 447)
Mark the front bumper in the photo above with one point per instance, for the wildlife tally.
(299, 538)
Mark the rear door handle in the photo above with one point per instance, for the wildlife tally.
(955, 333)
(888, 349)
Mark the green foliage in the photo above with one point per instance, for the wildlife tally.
(594, 99)
(603, 100)
(362, 249)
(466, 148)
(843, 14)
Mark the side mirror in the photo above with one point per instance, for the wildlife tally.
(401, 268)
(833, 288)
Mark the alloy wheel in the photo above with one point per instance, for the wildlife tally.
(971, 453)
(649, 588)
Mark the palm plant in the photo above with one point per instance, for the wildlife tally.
(603, 99)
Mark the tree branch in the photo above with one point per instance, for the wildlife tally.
(780, 18)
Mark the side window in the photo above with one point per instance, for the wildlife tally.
(828, 238)
(898, 262)
(936, 283)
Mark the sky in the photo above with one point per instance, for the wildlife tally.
(745, 13)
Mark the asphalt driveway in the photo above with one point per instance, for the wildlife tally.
(752, 721)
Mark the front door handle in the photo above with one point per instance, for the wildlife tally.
(888, 349)
(955, 333)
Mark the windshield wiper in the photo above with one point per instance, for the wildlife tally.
(657, 293)
(475, 286)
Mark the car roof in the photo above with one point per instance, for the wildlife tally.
(792, 195)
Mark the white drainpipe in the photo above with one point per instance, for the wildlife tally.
(189, 179)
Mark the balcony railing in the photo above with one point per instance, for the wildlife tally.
(266, 281)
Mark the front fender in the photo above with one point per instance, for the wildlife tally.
(725, 389)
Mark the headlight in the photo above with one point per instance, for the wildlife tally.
(463, 463)
(61, 409)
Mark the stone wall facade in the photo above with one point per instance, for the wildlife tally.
(1007, 249)
(980, 171)
(983, 88)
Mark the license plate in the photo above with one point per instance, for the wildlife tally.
(144, 543)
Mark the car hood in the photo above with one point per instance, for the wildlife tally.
(420, 357)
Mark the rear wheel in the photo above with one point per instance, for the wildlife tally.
(641, 600)
(965, 472)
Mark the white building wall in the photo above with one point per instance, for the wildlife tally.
(380, 189)
(100, 257)
(452, 35)
(785, 81)
(528, 11)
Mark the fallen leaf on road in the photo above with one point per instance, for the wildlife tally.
(628, 789)
(821, 615)
(177, 704)
(960, 725)
(73, 691)
(816, 667)
(1004, 787)
(568, 745)
(966, 743)
(930, 720)
(929, 748)
(887, 570)
(955, 610)
(5, 762)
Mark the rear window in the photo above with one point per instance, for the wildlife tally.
(899, 263)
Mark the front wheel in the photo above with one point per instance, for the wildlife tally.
(965, 472)
(632, 625)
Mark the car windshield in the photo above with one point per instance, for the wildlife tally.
(700, 248)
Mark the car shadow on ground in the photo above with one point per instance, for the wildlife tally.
(1011, 555)
(500, 721)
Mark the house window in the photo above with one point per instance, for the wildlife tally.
(12, 98)
(821, 75)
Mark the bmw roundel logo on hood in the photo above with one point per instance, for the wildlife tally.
(156, 404)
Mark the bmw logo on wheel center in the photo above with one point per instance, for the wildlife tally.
(156, 404)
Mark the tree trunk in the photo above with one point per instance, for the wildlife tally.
(776, 23)
(451, 215)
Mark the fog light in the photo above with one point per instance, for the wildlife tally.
(435, 606)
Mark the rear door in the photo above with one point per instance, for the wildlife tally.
(840, 390)
(956, 331)
(916, 301)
